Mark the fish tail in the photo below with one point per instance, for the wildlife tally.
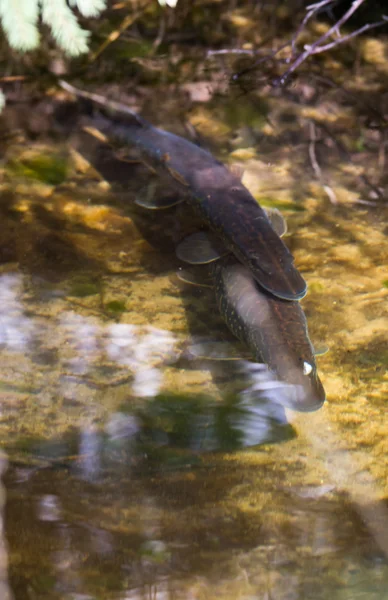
(109, 108)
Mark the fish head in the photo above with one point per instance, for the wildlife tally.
(303, 390)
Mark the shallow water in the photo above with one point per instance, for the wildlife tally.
(132, 469)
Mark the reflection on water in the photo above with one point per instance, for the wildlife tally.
(125, 347)
(184, 535)
(82, 345)
(15, 328)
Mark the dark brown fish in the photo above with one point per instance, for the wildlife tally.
(217, 195)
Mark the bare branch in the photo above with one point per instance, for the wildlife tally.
(312, 10)
(317, 47)
(349, 36)
(312, 49)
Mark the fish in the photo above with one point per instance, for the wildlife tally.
(218, 196)
(274, 330)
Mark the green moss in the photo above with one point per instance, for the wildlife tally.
(385, 283)
(280, 204)
(316, 287)
(116, 306)
(131, 49)
(359, 145)
(83, 288)
(243, 112)
(48, 169)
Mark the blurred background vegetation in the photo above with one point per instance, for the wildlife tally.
(129, 31)
(236, 50)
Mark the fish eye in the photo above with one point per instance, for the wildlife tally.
(307, 368)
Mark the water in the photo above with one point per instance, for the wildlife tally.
(131, 470)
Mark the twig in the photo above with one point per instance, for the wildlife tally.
(230, 51)
(312, 154)
(161, 33)
(11, 78)
(114, 35)
(381, 155)
(312, 9)
(314, 163)
(345, 38)
(366, 202)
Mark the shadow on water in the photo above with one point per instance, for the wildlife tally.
(40, 244)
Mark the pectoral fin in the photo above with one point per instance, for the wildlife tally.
(195, 279)
(149, 199)
(321, 350)
(200, 248)
(159, 204)
(278, 222)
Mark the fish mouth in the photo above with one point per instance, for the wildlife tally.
(303, 391)
(290, 395)
(304, 394)
(306, 406)
(300, 399)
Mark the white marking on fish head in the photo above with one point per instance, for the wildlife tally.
(307, 368)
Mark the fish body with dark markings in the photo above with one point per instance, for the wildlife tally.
(216, 194)
(274, 330)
